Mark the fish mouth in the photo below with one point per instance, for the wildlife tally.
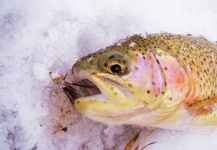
(92, 86)
(84, 88)
(88, 88)
(100, 97)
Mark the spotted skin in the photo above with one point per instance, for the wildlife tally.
(164, 78)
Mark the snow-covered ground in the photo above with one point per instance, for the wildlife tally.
(38, 36)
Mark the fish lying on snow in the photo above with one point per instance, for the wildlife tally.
(160, 80)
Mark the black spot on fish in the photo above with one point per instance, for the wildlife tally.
(165, 83)
(130, 85)
(112, 56)
(136, 68)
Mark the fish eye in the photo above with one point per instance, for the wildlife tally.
(116, 69)
(115, 63)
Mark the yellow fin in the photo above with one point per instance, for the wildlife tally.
(206, 119)
(207, 102)
(134, 140)
(205, 115)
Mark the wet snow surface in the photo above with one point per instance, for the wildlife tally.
(37, 37)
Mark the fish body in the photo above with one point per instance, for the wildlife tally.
(157, 80)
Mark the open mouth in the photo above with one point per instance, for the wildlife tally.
(83, 88)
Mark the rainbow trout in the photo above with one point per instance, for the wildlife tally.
(158, 80)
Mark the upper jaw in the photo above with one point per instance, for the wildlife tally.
(77, 74)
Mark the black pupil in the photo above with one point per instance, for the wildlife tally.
(116, 69)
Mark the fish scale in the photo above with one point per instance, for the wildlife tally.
(194, 53)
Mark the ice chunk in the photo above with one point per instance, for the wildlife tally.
(132, 44)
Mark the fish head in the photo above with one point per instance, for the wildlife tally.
(127, 84)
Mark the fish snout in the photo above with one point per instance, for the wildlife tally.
(75, 70)
(77, 74)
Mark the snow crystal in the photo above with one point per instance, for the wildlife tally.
(38, 37)
(132, 44)
(213, 56)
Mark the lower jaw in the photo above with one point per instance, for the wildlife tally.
(140, 118)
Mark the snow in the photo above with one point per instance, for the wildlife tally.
(37, 37)
(132, 44)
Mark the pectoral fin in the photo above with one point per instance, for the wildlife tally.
(199, 104)
(206, 112)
